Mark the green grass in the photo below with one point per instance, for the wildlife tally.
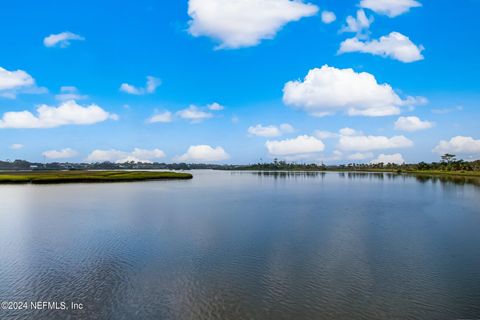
(446, 173)
(48, 177)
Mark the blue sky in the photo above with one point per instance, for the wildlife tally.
(408, 96)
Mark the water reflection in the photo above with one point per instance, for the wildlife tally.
(422, 178)
(372, 176)
(284, 174)
(457, 180)
(369, 175)
(245, 245)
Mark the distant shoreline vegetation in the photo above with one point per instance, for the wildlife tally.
(55, 177)
(449, 165)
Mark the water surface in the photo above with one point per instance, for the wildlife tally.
(245, 245)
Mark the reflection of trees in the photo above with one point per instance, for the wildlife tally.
(455, 180)
(422, 178)
(287, 174)
(370, 175)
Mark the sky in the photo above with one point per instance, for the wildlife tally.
(223, 81)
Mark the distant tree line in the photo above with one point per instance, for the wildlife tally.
(281, 165)
(449, 162)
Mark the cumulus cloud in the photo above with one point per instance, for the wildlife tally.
(364, 143)
(203, 153)
(301, 145)
(69, 93)
(328, 90)
(244, 23)
(396, 158)
(459, 145)
(358, 156)
(60, 154)
(61, 40)
(194, 114)
(68, 113)
(270, 131)
(163, 117)
(14, 79)
(349, 132)
(359, 24)
(19, 81)
(16, 146)
(150, 87)
(395, 46)
(412, 124)
(117, 156)
(391, 8)
(215, 107)
(328, 17)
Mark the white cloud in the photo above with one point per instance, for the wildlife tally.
(60, 154)
(19, 81)
(203, 153)
(270, 131)
(264, 131)
(300, 145)
(69, 93)
(395, 46)
(68, 113)
(215, 107)
(396, 158)
(459, 145)
(151, 85)
(128, 88)
(391, 8)
(61, 39)
(328, 17)
(360, 156)
(194, 114)
(364, 143)
(163, 117)
(16, 146)
(359, 24)
(329, 90)
(14, 79)
(244, 23)
(349, 132)
(412, 124)
(117, 156)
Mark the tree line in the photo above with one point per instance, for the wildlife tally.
(448, 162)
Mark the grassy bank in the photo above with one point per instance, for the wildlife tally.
(475, 174)
(47, 177)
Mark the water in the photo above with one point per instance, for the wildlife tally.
(232, 245)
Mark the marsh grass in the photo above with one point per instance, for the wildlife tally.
(51, 177)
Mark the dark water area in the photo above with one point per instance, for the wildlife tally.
(245, 245)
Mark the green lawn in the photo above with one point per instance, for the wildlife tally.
(46, 177)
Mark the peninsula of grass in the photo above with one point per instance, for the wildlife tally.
(55, 177)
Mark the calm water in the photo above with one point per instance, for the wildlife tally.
(232, 245)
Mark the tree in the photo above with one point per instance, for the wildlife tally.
(449, 158)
